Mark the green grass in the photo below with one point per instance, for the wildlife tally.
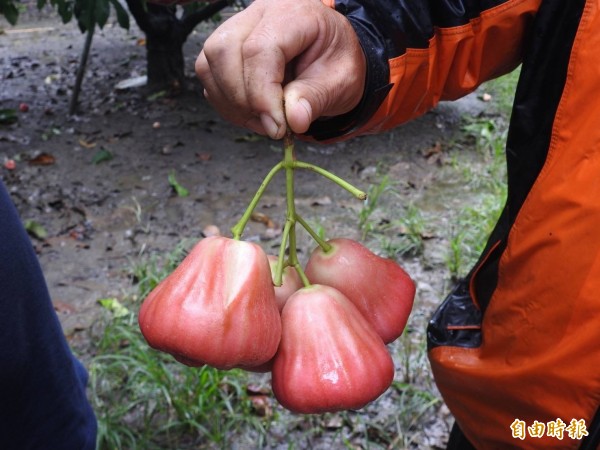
(502, 90)
(401, 236)
(374, 193)
(486, 178)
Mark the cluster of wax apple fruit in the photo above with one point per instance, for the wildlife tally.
(323, 342)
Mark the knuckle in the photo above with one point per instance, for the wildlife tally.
(253, 46)
(262, 41)
(215, 46)
(201, 66)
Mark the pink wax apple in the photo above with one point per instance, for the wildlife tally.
(381, 290)
(330, 358)
(217, 307)
(291, 282)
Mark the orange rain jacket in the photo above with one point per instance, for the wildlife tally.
(515, 348)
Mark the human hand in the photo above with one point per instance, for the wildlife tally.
(297, 55)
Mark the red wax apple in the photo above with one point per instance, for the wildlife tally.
(217, 307)
(291, 282)
(330, 358)
(381, 290)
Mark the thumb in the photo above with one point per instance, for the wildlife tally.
(298, 111)
(326, 87)
(307, 99)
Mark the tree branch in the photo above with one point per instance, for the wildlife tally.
(140, 14)
(190, 21)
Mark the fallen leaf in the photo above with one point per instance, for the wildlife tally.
(35, 229)
(434, 154)
(102, 155)
(86, 144)
(256, 389)
(8, 116)
(132, 83)
(261, 405)
(114, 306)
(204, 156)
(178, 188)
(263, 218)
(428, 152)
(43, 159)
(62, 307)
(80, 232)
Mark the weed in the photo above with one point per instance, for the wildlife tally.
(48, 134)
(409, 229)
(177, 187)
(466, 246)
(365, 224)
(319, 229)
(487, 181)
(503, 92)
(412, 226)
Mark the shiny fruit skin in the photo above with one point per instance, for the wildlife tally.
(291, 282)
(330, 358)
(381, 290)
(216, 308)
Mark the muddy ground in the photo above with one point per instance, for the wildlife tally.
(95, 188)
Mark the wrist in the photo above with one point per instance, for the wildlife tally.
(376, 85)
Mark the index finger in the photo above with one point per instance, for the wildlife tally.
(269, 48)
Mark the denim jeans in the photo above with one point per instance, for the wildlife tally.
(43, 403)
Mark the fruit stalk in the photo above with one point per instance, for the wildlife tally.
(239, 227)
(289, 159)
(288, 241)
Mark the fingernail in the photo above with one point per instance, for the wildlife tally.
(306, 106)
(301, 115)
(270, 126)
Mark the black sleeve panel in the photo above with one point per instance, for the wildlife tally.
(386, 28)
(402, 24)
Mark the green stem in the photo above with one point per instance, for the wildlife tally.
(324, 245)
(278, 280)
(302, 275)
(238, 229)
(289, 164)
(332, 177)
(289, 160)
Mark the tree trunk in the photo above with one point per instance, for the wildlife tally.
(165, 36)
(164, 45)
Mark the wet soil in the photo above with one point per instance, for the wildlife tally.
(97, 184)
